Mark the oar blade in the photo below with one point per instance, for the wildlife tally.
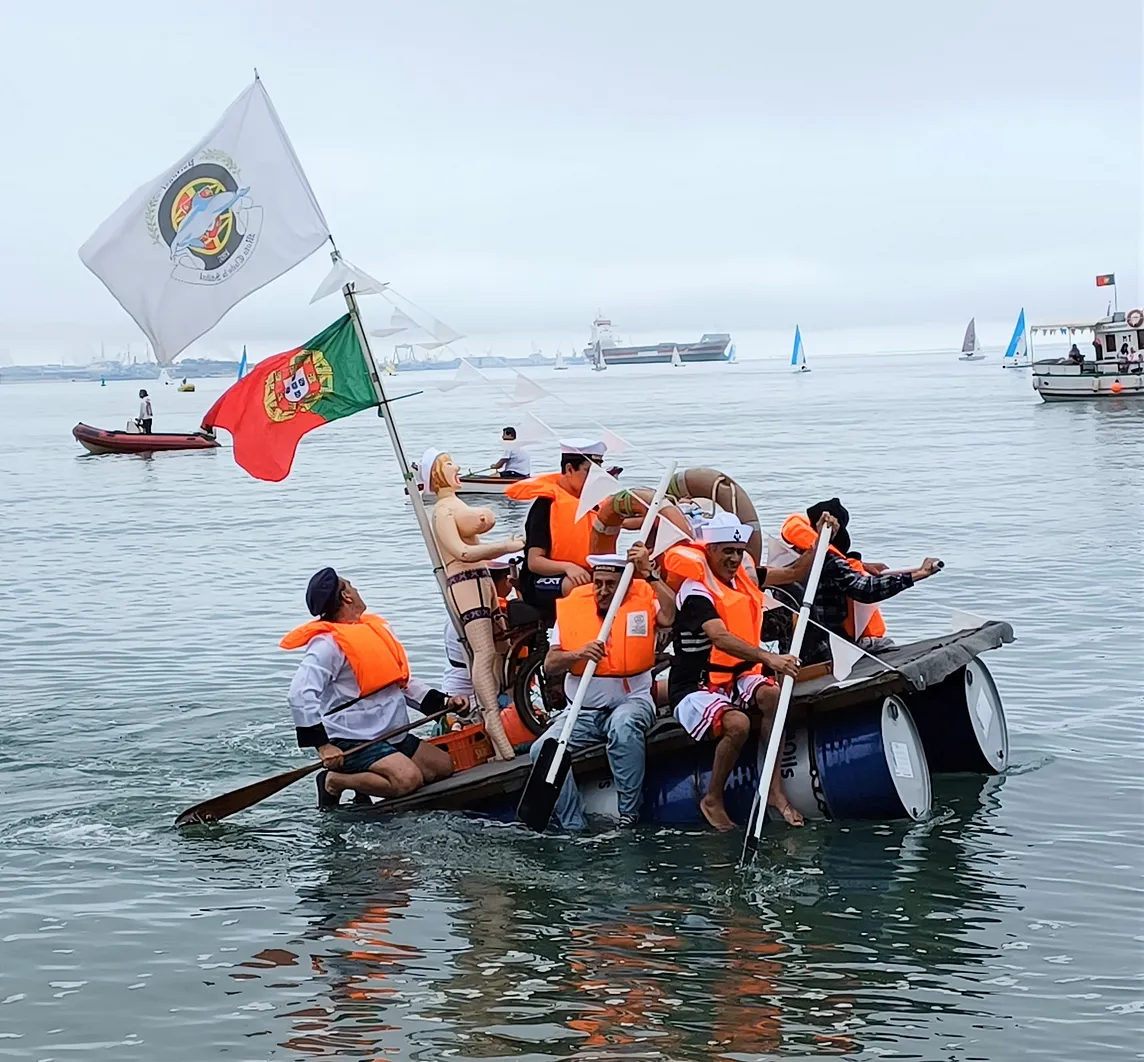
(538, 800)
(221, 807)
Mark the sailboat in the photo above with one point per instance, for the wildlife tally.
(798, 354)
(676, 360)
(970, 348)
(242, 364)
(1017, 352)
(599, 365)
(560, 366)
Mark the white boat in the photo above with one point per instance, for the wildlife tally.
(560, 366)
(970, 348)
(798, 354)
(1098, 370)
(1017, 352)
(676, 360)
(478, 486)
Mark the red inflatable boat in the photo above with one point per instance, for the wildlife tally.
(101, 441)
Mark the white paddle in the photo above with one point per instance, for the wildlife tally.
(759, 807)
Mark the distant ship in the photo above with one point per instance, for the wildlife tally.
(603, 351)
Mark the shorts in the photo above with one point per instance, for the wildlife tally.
(542, 593)
(361, 761)
(702, 710)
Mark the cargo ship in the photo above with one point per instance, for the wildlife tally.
(603, 350)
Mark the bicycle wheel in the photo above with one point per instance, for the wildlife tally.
(536, 698)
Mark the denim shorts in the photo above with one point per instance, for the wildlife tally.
(360, 761)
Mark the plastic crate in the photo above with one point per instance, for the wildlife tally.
(468, 747)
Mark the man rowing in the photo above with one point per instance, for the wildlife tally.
(618, 707)
(353, 685)
(555, 541)
(716, 681)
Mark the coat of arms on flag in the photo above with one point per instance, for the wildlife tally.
(299, 385)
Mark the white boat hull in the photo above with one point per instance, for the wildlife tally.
(1063, 381)
(478, 486)
(971, 357)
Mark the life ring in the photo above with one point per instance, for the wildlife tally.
(1135, 318)
(630, 504)
(721, 490)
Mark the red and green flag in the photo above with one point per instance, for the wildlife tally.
(1106, 280)
(283, 397)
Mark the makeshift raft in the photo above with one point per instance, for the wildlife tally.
(863, 748)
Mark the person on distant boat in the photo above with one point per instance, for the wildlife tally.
(1135, 361)
(457, 681)
(144, 420)
(352, 685)
(556, 544)
(618, 707)
(1124, 361)
(516, 463)
(716, 683)
(1078, 358)
(847, 586)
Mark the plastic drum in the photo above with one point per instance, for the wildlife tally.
(962, 723)
(871, 763)
(799, 774)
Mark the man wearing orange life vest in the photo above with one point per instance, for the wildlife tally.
(555, 542)
(352, 685)
(848, 588)
(618, 706)
(716, 682)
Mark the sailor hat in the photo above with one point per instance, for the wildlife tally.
(587, 447)
(725, 527)
(608, 561)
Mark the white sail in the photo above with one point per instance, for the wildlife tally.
(798, 353)
(970, 348)
(560, 361)
(676, 360)
(1017, 353)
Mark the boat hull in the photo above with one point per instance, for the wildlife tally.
(478, 486)
(661, 353)
(1060, 380)
(102, 441)
(971, 357)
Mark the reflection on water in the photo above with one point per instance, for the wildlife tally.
(144, 604)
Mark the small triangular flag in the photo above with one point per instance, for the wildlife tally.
(770, 601)
(526, 391)
(862, 616)
(344, 273)
(467, 373)
(531, 429)
(598, 486)
(966, 621)
(844, 655)
(667, 535)
(779, 554)
(613, 442)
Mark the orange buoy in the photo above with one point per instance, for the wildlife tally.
(1117, 387)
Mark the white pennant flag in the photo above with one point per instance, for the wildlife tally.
(598, 486)
(467, 373)
(614, 443)
(845, 655)
(667, 535)
(531, 429)
(966, 621)
(525, 391)
(344, 273)
(230, 216)
(779, 554)
(770, 601)
(862, 615)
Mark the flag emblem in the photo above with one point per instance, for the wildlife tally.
(298, 386)
(207, 220)
(1106, 280)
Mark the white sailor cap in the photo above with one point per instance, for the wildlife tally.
(725, 527)
(587, 447)
(426, 466)
(609, 561)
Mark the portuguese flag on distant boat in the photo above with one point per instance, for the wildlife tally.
(280, 399)
(1106, 280)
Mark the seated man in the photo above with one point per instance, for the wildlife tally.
(847, 587)
(716, 682)
(618, 706)
(555, 542)
(516, 463)
(352, 685)
(456, 680)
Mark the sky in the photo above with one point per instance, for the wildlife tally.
(684, 167)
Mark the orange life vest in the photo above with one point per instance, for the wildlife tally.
(685, 560)
(797, 531)
(630, 649)
(376, 656)
(570, 537)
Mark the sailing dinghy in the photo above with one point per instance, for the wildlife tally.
(1017, 353)
(798, 354)
(970, 348)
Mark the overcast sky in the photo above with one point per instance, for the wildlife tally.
(684, 166)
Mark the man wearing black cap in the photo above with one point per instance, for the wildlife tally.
(848, 588)
(352, 685)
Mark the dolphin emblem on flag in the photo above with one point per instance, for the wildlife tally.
(203, 217)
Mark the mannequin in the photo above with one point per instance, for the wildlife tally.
(457, 528)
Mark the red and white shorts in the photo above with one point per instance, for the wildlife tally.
(703, 710)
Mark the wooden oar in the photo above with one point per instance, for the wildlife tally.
(759, 806)
(221, 807)
(552, 761)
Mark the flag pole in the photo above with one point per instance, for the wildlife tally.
(399, 451)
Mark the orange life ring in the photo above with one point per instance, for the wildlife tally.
(608, 520)
(1135, 318)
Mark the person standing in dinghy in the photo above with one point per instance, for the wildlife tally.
(352, 684)
(144, 420)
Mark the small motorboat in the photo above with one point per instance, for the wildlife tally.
(103, 441)
(184, 386)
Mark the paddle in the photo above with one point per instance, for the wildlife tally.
(221, 807)
(553, 762)
(759, 806)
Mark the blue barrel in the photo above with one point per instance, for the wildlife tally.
(870, 762)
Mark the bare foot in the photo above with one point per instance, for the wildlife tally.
(716, 814)
(786, 809)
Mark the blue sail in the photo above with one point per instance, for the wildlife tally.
(797, 355)
(1017, 345)
(242, 364)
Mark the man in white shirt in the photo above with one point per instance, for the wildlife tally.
(145, 415)
(353, 685)
(516, 463)
(618, 705)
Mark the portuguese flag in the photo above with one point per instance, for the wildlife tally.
(1106, 280)
(283, 397)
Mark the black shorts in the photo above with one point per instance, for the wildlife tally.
(365, 758)
(542, 592)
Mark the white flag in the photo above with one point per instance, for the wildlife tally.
(862, 616)
(779, 554)
(667, 535)
(966, 621)
(524, 392)
(344, 273)
(845, 655)
(614, 443)
(467, 373)
(531, 429)
(598, 486)
(229, 217)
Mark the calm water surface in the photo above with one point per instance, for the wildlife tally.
(141, 610)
